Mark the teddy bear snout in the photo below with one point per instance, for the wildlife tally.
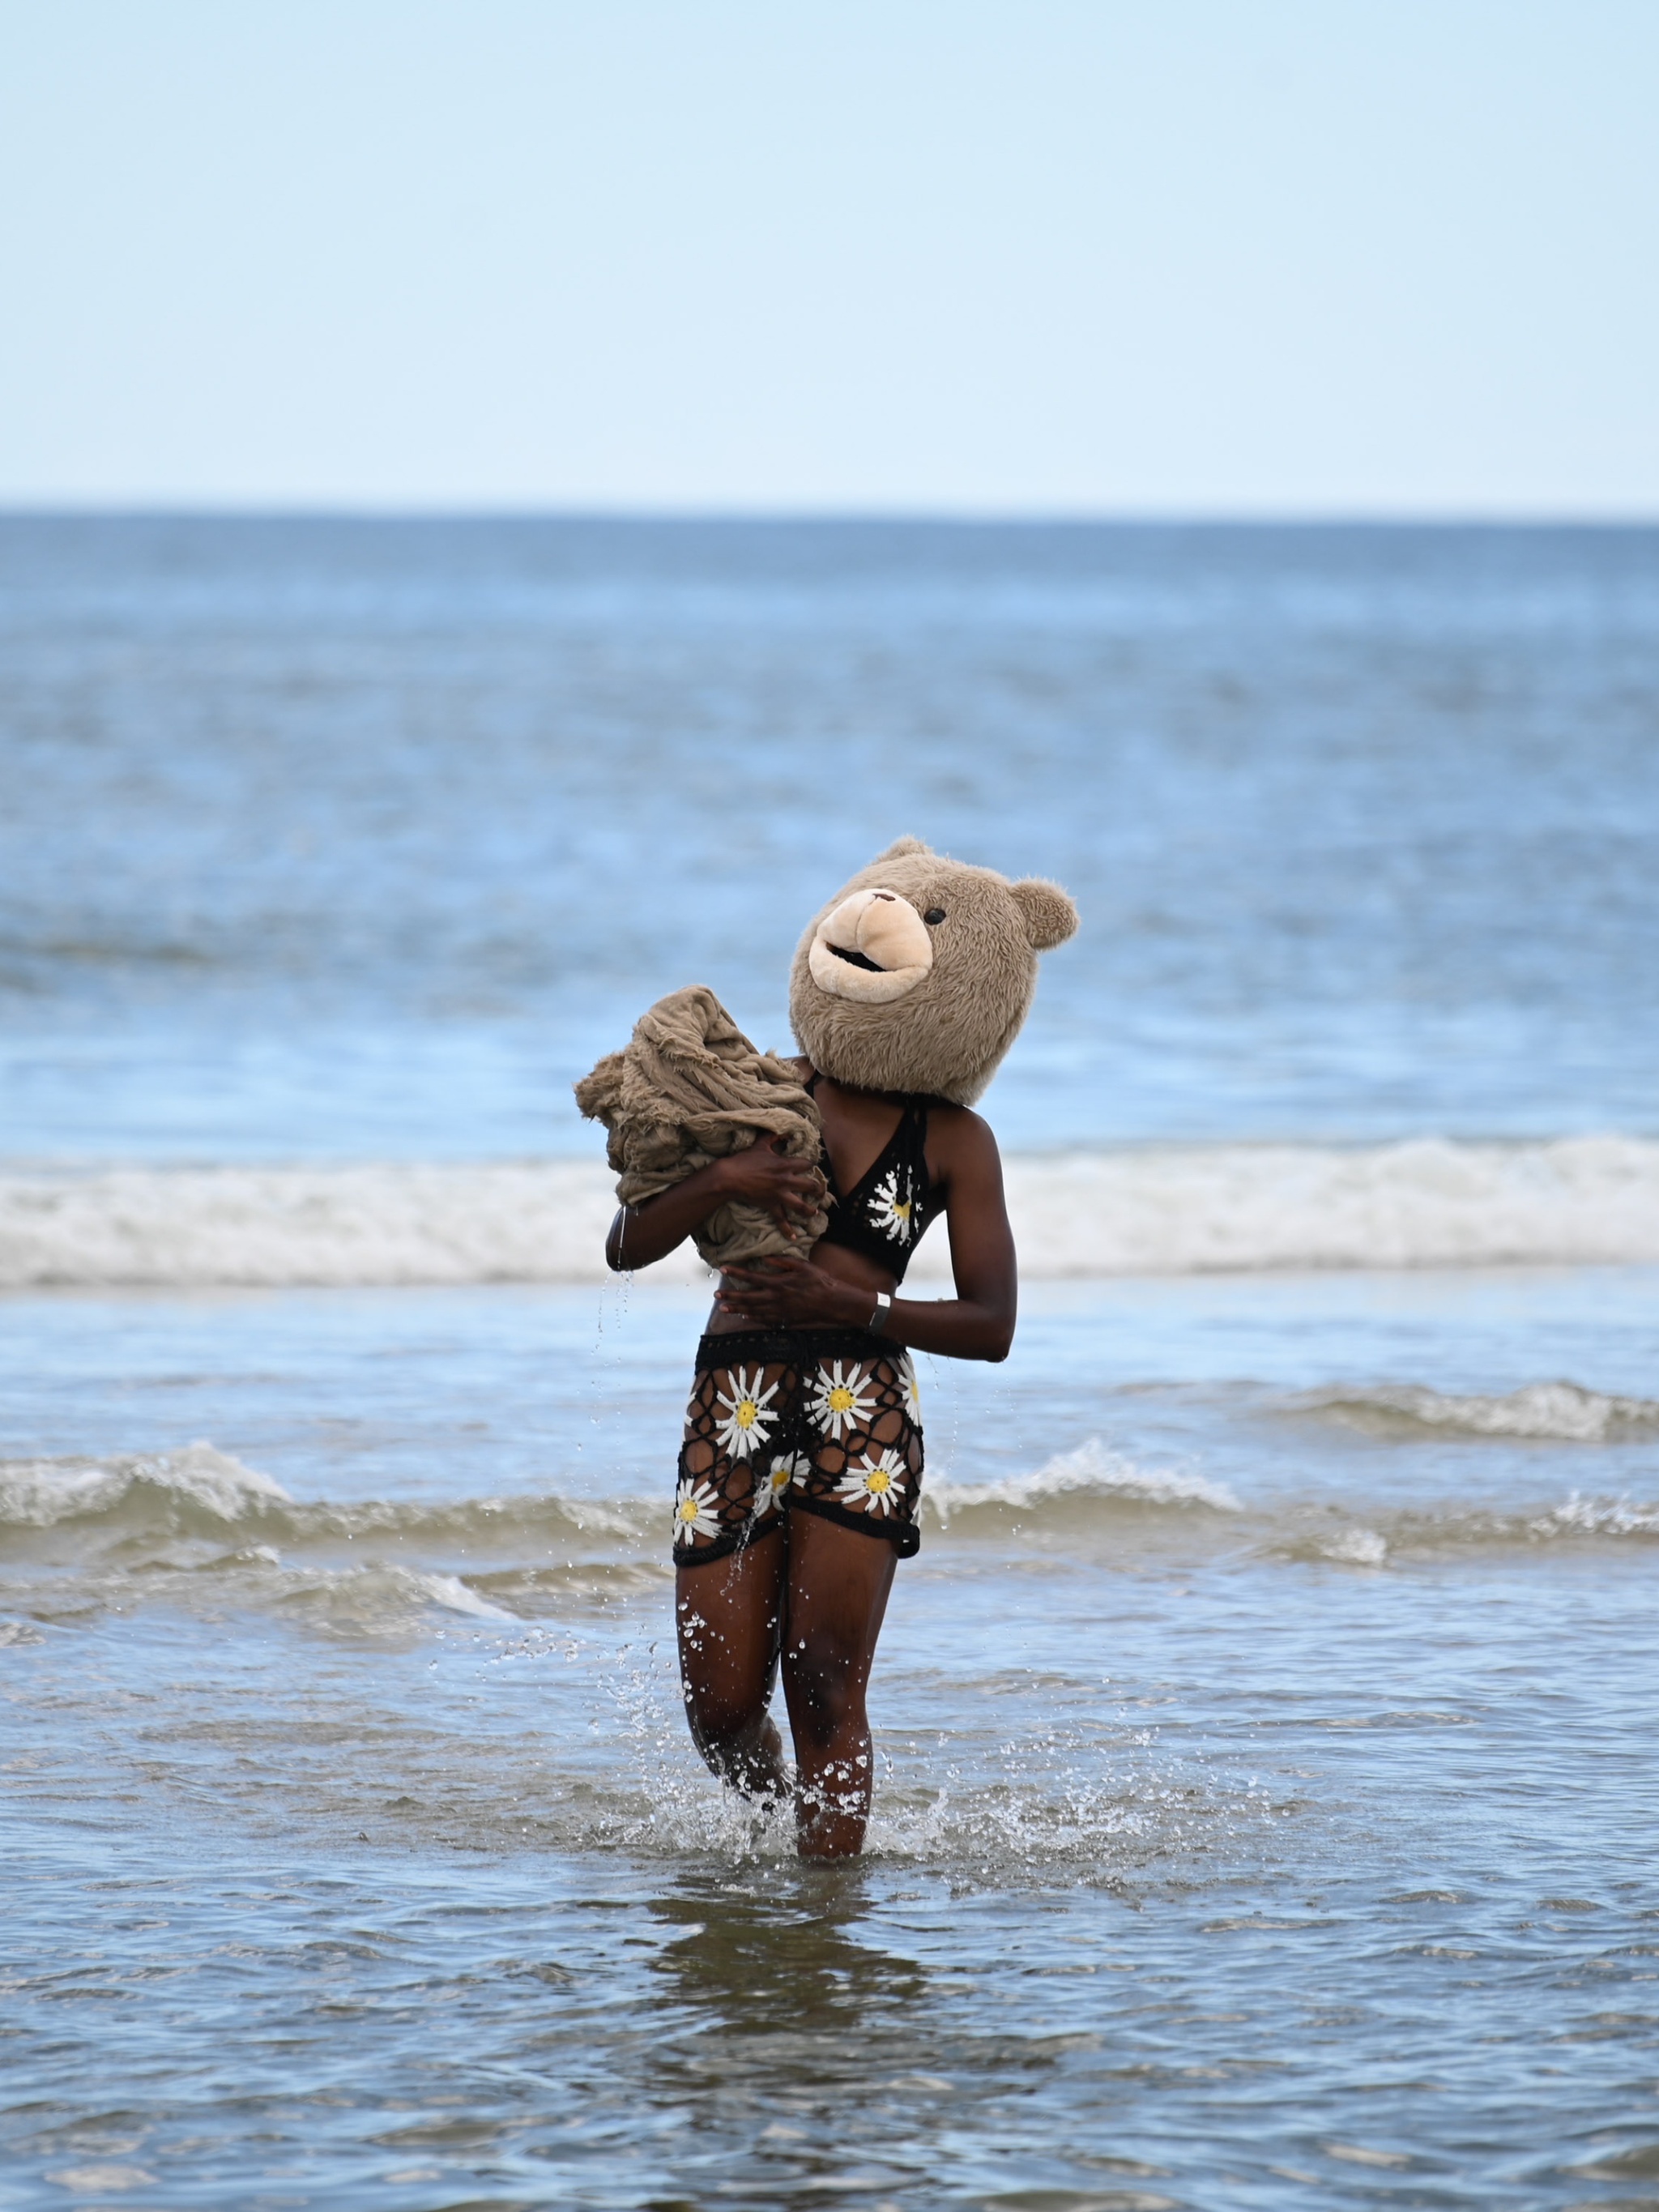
(874, 946)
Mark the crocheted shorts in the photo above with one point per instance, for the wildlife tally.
(799, 1420)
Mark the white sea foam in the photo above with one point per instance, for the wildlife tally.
(380, 1598)
(1563, 1412)
(183, 1227)
(1091, 1470)
(199, 1482)
(1578, 1515)
(1427, 1203)
(1357, 1547)
(199, 1490)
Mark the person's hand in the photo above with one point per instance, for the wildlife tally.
(790, 1293)
(790, 1190)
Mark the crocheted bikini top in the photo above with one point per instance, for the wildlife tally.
(885, 1214)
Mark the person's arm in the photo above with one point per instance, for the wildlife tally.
(790, 1189)
(978, 1323)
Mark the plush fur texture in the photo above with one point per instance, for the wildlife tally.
(940, 1026)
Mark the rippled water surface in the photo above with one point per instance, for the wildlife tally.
(360, 839)
(1266, 1773)
(1265, 1792)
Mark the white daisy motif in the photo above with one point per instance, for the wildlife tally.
(838, 1402)
(772, 1481)
(908, 1383)
(889, 1211)
(876, 1485)
(694, 1512)
(747, 1423)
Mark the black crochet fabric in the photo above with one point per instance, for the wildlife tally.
(810, 1420)
(886, 1213)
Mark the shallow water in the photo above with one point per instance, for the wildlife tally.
(1263, 1811)
(1264, 1793)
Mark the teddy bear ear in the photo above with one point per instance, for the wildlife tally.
(898, 848)
(1050, 917)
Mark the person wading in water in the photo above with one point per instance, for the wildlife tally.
(800, 1471)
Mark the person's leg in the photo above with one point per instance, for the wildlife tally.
(734, 1475)
(838, 1582)
(728, 1612)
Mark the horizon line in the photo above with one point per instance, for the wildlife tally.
(738, 514)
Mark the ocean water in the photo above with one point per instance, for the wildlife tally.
(1266, 1773)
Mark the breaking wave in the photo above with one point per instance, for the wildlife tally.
(197, 1489)
(1557, 1413)
(1089, 1474)
(378, 1598)
(187, 1227)
(1428, 1203)
(202, 1493)
(202, 1496)
(197, 1528)
(1387, 1538)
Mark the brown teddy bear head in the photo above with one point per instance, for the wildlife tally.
(917, 974)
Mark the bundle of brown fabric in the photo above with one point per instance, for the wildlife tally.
(690, 1088)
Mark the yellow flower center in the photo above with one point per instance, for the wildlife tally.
(841, 1399)
(780, 1475)
(877, 1479)
(688, 1508)
(746, 1411)
(902, 1207)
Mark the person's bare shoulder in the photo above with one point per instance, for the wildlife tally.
(960, 1141)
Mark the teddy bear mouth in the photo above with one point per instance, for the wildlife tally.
(873, 948)
(855, 959)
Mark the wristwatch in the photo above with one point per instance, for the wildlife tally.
(878, 1320)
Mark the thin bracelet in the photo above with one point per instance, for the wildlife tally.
(878, 1320)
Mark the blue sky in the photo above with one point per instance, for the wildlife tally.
(1211, 257)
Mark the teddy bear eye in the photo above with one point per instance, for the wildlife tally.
(935, 913)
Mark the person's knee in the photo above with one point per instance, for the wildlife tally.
(722, 1719)
(826, 1694)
